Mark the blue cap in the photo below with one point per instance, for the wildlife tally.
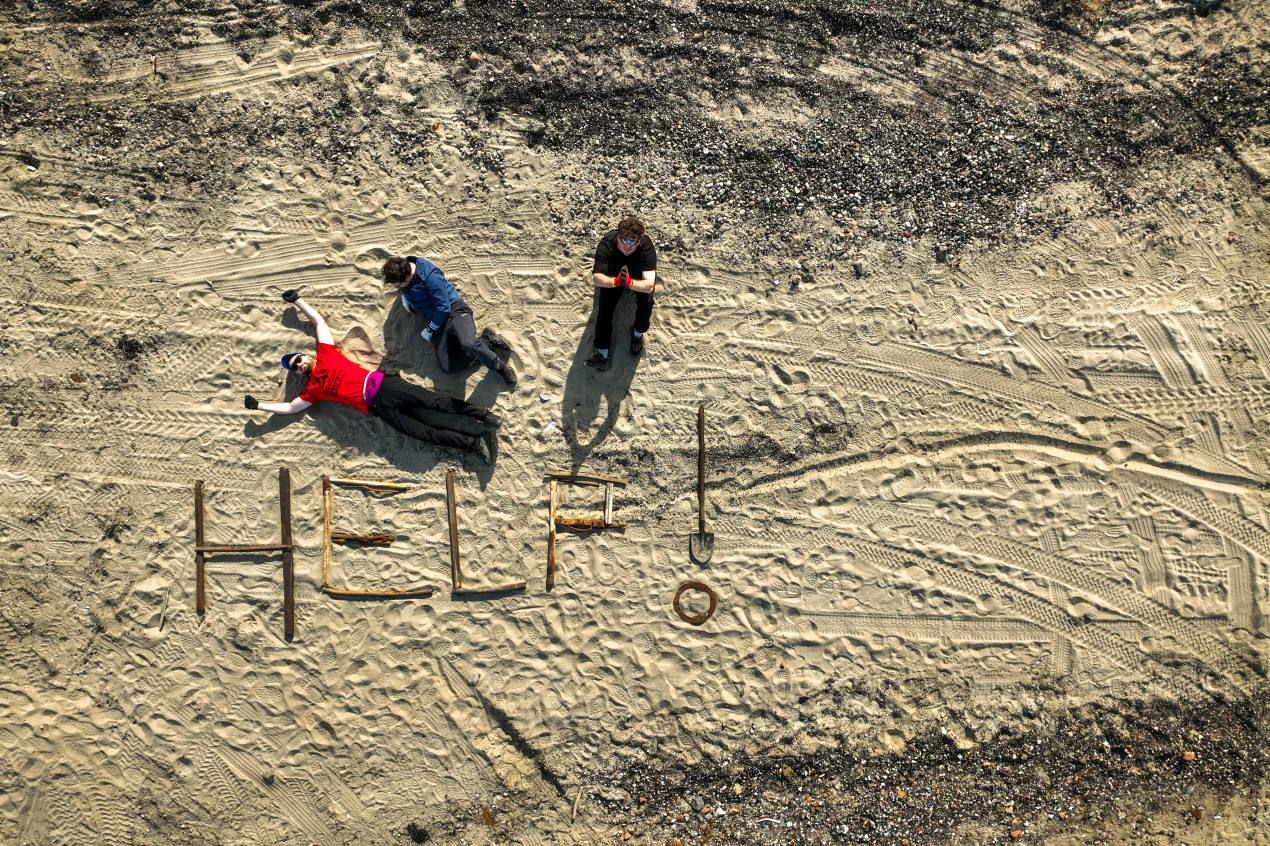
(286, 360)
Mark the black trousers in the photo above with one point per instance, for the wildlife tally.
(609, 298)
(399, 404)
(457, 344)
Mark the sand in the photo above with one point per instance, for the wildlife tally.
(974, 298)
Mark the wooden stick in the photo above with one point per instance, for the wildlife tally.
(288, 554)
(587, 523)
(384, 539)
(363, 483)
(456, 579)
(326, 532)
(573, 477)
(244, 547)
(341, 593)
(200, 595)
(551, 536)
(492, 589)
(608, 504)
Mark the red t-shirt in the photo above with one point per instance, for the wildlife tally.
(336, 378)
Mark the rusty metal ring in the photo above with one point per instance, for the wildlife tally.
(697, 619)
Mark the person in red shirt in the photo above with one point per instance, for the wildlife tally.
(332, 377)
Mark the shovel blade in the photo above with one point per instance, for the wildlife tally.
(701, 546)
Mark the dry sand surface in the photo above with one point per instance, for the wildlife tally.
(974, 295)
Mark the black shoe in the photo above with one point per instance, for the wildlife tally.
(637, 345)
(491, 419)
(599, 361)
(494, 339)
(508, 374)
(481, 449)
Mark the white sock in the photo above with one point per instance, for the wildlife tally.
(604, 353)
(638, 334)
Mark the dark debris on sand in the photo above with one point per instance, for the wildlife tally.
(986, 107)
(1115, 772)
(953, 157)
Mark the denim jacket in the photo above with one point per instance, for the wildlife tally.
(429, 294)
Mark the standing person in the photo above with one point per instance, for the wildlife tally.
(451, 326)
(331, 376)
(625, 258)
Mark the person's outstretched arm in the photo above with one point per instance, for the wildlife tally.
(296, 405)
(324, 335)
(645, 285)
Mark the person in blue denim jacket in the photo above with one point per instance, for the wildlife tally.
(451, 326)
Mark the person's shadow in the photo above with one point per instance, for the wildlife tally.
(593, 399)
(352, 429)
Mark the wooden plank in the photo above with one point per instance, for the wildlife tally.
(341, 593)
(288, 554)
(200, 594)
(456, 579)
(326, 532)
(565, 476)
(244, 547)
(369, 485)
(493, 589)
(383, 539)
(551, 536)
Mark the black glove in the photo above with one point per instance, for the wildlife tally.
(291, 295)
(251, 403)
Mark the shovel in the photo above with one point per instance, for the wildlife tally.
(701, 542)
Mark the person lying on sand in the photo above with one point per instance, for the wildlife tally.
(451, 327)
(625, 258)
(331, 376)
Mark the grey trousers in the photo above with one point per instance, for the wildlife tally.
(457, 344)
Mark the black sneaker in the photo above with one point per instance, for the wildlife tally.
(494, 339)
(481, 449)
(599, 361)
(508, 374)
(491, 419)
(637, 345)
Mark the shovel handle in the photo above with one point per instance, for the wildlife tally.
(701, 467)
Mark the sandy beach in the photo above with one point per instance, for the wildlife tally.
(974, 297)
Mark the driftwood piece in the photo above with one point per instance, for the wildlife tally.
(374, 487)
(384, 539)
(551, 535)
(288, 554)
(200, 594)
(581, 478)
